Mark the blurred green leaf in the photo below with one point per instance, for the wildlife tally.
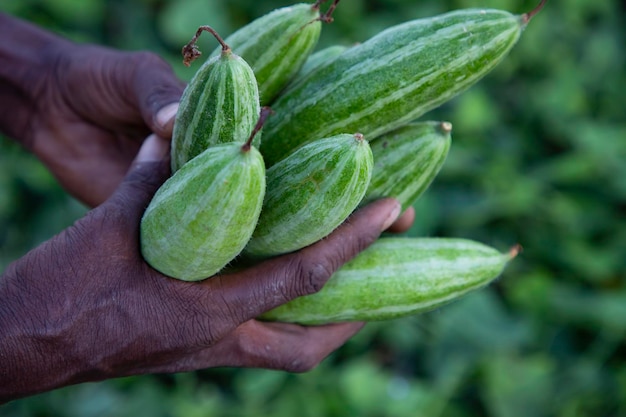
(519, 386)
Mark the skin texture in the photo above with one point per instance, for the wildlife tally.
(84, 306)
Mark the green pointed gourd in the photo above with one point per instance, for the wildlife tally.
(202, 217)
(219, 105)
(397, 277)
(316, 60)
(310, 193)
(393, 78)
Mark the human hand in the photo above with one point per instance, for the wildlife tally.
(83, 110)
(85, 306)
(106, 102)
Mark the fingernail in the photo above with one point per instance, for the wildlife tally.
(393, 216)
(165, 115)
(154, 148)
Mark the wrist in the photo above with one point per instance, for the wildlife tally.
(24, 67)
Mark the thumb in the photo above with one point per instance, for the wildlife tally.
(163, 123)
(147, 173)
(158, 91)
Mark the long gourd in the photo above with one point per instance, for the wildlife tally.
(397, 277)
(392, 78)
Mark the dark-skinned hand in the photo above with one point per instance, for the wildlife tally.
(84, 306)
(83, 110)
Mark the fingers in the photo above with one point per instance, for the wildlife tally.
(284, 346)
(279, 280)
(164, 120)
(404, 222)
(158, 92)
(153, 149)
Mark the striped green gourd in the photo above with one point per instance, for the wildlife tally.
(201, 218)
(219, 105)
(277, 44)
(316, 60)
(310, 193)
(397, 277)
(392, 78)
(407, 160)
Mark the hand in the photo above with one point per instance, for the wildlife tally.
(93, 113)
(84, 306)
(84, 110)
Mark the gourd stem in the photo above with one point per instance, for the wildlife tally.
(191, 52)
(446, 127)
(526, 17)
(265, 113)
(514, 251)
(326, 17)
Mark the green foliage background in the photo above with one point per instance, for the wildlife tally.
(538, 158)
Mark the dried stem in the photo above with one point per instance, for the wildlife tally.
(328, 16)
(190, 50)
(265, 113)
(527, 16)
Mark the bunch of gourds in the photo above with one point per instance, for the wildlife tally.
(250, 183)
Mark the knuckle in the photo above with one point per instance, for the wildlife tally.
(112, 218)
(156, 80)
(101, 220)
(153, 82)
(310, 275)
